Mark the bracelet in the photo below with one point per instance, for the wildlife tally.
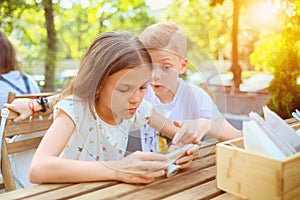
(43, 101)
(31, 106)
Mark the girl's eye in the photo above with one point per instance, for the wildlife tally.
(123, 89)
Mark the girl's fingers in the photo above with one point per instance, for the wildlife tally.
(184, 159)
(150, 156)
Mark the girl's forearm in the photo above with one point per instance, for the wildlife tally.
(46, 171)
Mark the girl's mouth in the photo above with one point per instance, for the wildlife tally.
(132, 110)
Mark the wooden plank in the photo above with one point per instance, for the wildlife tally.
(205, 152)
(208, 143)
(247, 174)
(226, 196)
(30, 191)
(26, 127)
(7, 175)
(204, 191)
(291, 177)
(123, 189)
(291, 120)
(107, 193)
(23, 145)
(163, 189)
(73, 190)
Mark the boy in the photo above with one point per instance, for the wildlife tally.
(174, 98)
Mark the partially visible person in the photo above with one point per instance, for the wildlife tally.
(11, 77)
(172, 96)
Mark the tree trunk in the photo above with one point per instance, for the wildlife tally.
(235, 67)
(50, 60)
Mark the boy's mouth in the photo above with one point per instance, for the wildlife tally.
(156, 86)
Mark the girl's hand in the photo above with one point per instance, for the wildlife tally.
(139, 167)
(191, 131)
(186, 160)
(20, 106)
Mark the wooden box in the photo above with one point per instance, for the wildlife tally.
(253, 176)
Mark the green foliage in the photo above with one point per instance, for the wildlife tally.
(205, 27)
(285, 88)
(79, 25)
(76, 24)
(11, 11)
(278, 52)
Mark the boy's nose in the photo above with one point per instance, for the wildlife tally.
(156, 74)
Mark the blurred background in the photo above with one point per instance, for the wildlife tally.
(246, 53)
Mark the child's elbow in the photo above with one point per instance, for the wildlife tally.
(36, 173)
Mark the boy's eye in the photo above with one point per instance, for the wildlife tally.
(144, 87)
(165, 67)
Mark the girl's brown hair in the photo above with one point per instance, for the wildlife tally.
(8, 60)
(109, 53)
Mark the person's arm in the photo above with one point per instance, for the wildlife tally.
(219, 128)
(162, 124)
(222, 130)
(20, 105)
(166, 127)
(48, 167)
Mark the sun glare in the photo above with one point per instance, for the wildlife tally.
(264, 13)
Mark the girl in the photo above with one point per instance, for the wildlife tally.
(88, 137)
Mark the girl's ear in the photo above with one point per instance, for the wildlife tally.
(183, 65)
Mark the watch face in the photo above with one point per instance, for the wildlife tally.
(4, 112)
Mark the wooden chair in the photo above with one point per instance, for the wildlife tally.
(39, 122)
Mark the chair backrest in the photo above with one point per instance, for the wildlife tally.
(39, 122)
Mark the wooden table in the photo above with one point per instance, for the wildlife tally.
(197, 182)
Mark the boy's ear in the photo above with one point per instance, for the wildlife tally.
(184, 65)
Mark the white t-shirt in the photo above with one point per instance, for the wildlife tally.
(190, 102)
(93, 139)
(15, 78)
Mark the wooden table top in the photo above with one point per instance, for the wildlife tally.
(196, 182)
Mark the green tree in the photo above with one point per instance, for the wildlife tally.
(50, 60)
(11, 11)
(80, 24)
(70, 32)
(279, 53)
(235, 66)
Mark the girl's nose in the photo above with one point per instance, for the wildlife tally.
(136, 97)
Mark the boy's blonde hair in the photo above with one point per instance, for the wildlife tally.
(165, 36)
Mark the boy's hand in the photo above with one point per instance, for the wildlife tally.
(191, 131)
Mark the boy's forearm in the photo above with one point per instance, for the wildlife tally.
(222, 130)
(163, 125)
